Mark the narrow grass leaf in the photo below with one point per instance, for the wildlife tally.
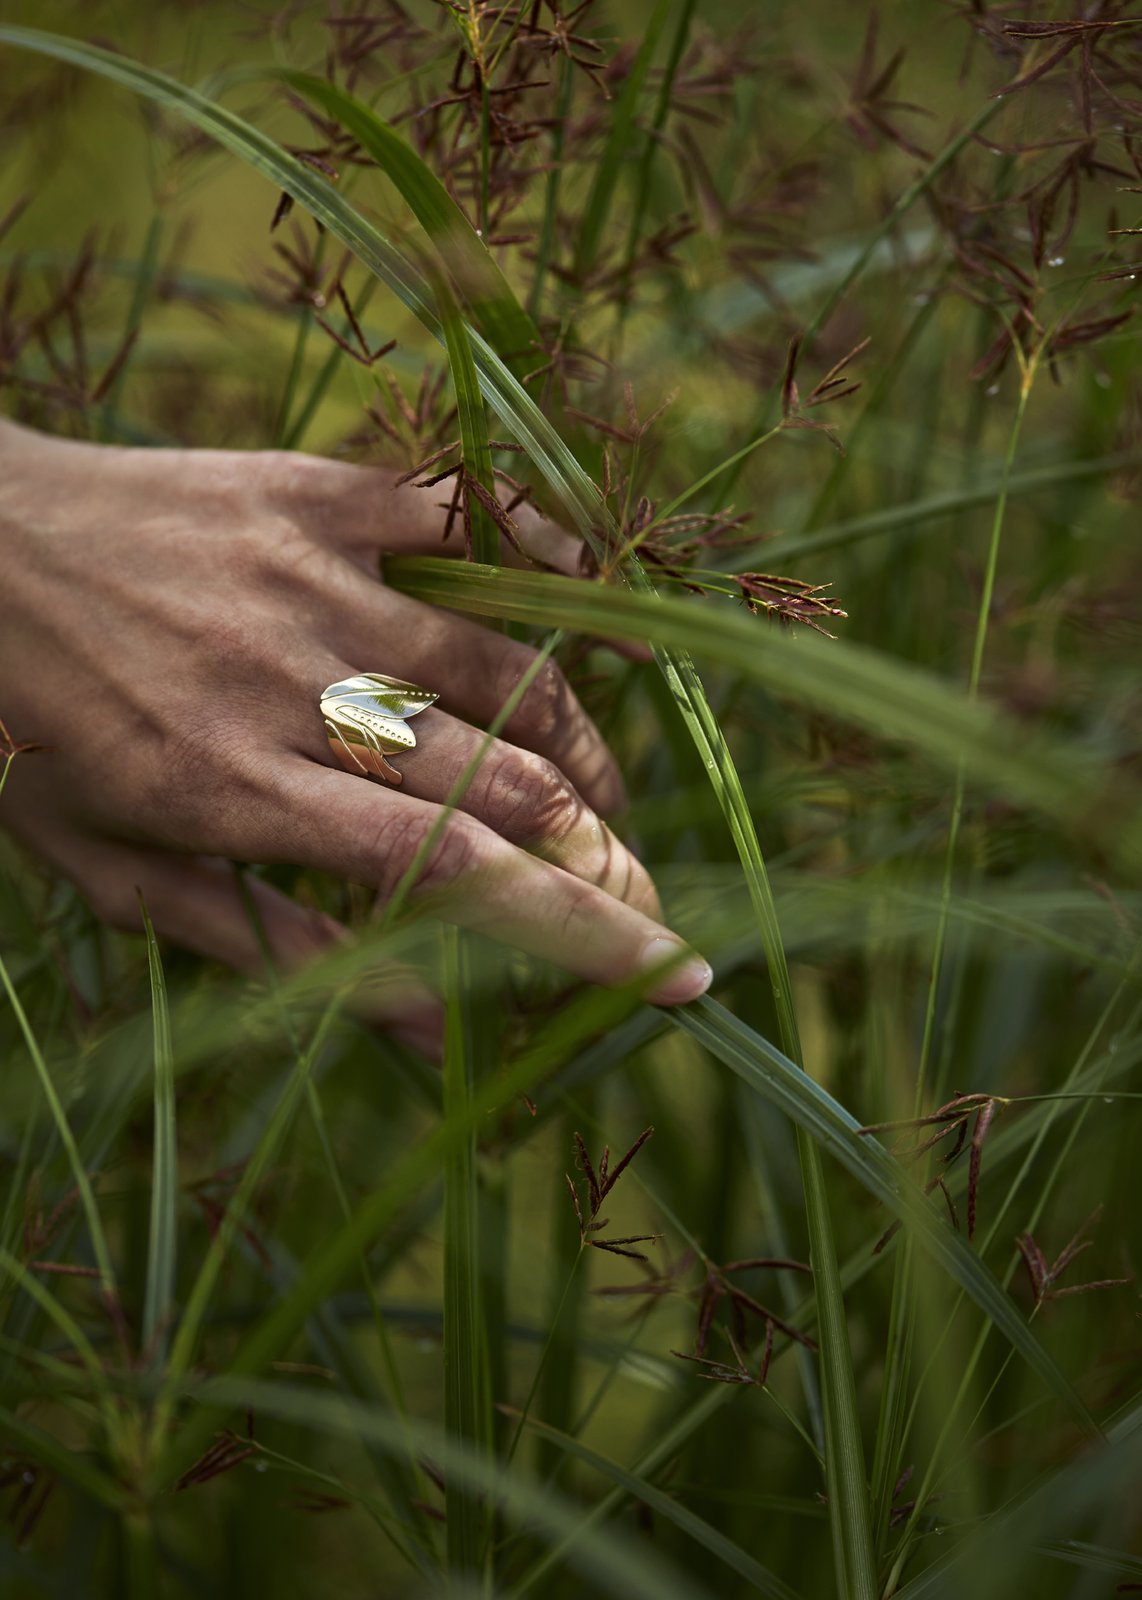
(67, 1139)
(616, 149)
(465, 1358)
(893, 698)
(613, 1564)
(772, 1075)
(162, 1242)
(485, 292)
(670, 1510)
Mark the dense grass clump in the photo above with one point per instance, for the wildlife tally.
(821, 336)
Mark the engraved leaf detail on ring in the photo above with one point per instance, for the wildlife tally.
(366, 718)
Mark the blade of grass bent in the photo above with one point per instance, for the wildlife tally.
(894, 699)
(512, 404)
(162, 1242)
(772, 1075)
(486, 293)
(672, 1511)
(611, 1563)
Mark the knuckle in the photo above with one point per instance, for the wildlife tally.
(448, 851)
(547, 703)
(113, 902)
(526, 798)
(211, 790)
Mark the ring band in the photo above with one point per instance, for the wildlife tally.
(366, 718)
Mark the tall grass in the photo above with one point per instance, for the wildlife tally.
(280, 1304)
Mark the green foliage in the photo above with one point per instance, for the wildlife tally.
(280, 1305)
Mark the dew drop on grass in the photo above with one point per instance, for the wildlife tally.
(260, 1466)
(1057, 261)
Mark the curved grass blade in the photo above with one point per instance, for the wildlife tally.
(481, 532)
(510, 401)
(615, 1565)
(670, 1510)
(484, 290)
(910, 517)
(894, 699)
(162, 1243)
(771, 1074)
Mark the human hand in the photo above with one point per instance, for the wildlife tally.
(170, 621)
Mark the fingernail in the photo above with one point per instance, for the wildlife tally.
(684, 982)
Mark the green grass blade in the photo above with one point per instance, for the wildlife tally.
(670, 1510)
(67, 1139)
(894, 699)
(911, 517)
(847, 1489)
(512, 404)
(610, 1563)
(476, 454)
(466, 1415)
(772, 1075)
(162, 1243)
(72, 1467)
(595, 1012)
(484, 290)
(652, 142)
(992, 1564)
(616, 150)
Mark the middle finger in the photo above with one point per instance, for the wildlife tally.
(524, 798)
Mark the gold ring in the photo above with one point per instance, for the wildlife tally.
(366, 718)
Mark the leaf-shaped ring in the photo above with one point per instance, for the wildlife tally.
(366, 718)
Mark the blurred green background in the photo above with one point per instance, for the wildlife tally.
(785, 154)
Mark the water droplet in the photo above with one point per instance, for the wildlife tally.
(261, 1466)
(1108, 1099)
(992, 389)
(1057, 261)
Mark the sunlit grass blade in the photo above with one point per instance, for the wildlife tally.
(894, 699)
(63, 1128)
(771, 1074)
(846, 1484)
(162, 1243)
(642, 1491)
